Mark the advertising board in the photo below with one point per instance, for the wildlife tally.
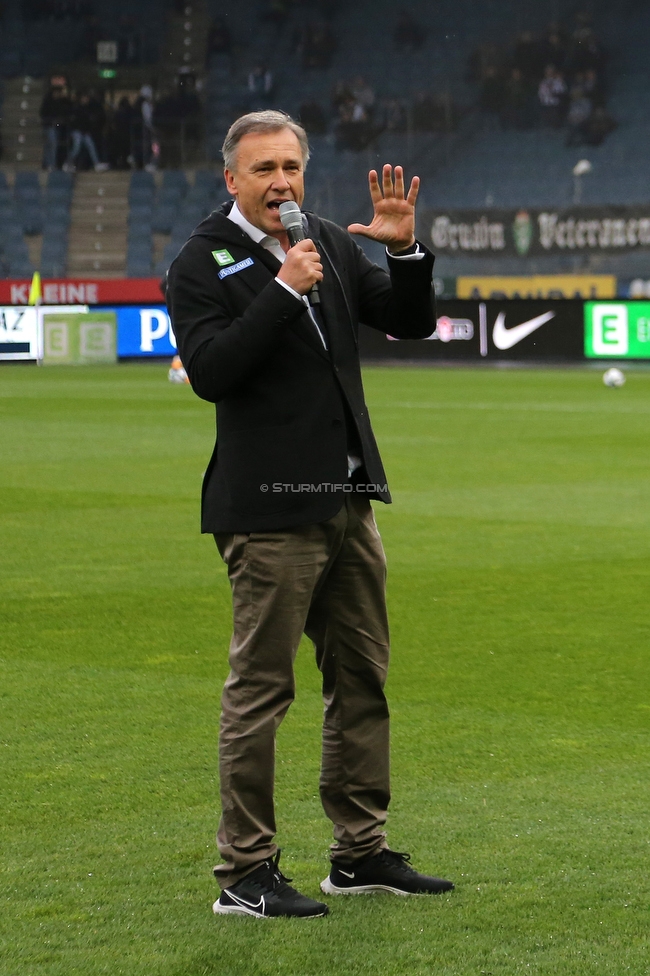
(545, 330)
(144, 330)
(84, 291)
(617, 330)
(78, 337)
(536, 286)
(20, 334)
(73, 334)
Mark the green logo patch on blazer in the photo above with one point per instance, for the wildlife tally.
(223, 258)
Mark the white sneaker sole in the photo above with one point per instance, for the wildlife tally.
(328, 888)
(220, 909)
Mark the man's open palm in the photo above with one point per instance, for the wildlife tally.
(393, 222)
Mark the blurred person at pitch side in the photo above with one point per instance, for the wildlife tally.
(287, 497)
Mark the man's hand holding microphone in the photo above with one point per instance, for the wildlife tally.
(302, 268)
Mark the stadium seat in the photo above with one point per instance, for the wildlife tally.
(163, 218)
(140, 212)
(175, 178)
(141, 178)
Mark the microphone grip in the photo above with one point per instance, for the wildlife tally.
(295, 235)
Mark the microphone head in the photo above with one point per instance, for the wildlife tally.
(290, 214)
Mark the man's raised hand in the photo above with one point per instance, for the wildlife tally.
(393, 222)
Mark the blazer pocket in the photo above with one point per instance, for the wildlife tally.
(260, 467)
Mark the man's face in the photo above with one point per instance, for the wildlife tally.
(268, 171)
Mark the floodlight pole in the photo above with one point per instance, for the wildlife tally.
(577, 189)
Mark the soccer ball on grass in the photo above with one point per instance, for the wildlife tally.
(613, 377)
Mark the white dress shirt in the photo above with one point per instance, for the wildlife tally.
(273, 246)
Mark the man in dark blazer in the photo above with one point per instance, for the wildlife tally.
(287, 497)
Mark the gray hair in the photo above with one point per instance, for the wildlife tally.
(268, 121)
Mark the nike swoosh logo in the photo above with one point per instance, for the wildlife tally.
(507, 338)
(346, 873)
(247, 904)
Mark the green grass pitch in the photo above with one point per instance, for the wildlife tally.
(519, 580)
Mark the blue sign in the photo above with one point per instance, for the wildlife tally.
(144, 330)
(247, 263)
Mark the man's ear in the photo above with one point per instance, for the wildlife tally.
(231, 182)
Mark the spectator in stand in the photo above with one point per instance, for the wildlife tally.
(593, 87)
(580, 59)
(588, 53)
(597, 127)
(317, 45)
(56, 113)
(142, 131)
(395, 115)
(484, 58)
(433, 113)
(219, 40)
(341, 95)
(312, 118)
(584, 50)
(408, 33)
(423, 113)
(554, 50)
(580, 109)
(551, 94)
(84, 119)
(354, 130)
(526, 57)
(177, 118)
(119, 135)
(259, 87)
(363, 94)
(493, 91)
(516, 112)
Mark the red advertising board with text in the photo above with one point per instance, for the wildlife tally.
(85, 291)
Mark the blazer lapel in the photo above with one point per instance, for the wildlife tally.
(257, 275)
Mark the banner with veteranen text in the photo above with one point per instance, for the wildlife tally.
(494, 231)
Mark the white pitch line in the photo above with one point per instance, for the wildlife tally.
(521, 407)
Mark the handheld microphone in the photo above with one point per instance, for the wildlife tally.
(291, 218)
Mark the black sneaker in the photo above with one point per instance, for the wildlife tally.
(265, 893)
(386, 871)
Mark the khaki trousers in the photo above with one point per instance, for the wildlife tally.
(327, 581)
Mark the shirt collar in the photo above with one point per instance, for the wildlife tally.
(253, 232)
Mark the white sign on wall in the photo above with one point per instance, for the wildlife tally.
(19, 333)
(21, 329)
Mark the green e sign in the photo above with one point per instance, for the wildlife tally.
(617, 330)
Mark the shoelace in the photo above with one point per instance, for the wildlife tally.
(403, 859)
(279, 882)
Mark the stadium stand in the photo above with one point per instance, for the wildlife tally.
(56, 222)
(409, 78)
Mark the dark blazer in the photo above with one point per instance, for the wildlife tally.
(288, 410)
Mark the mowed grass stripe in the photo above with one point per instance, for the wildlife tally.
(518, 576)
